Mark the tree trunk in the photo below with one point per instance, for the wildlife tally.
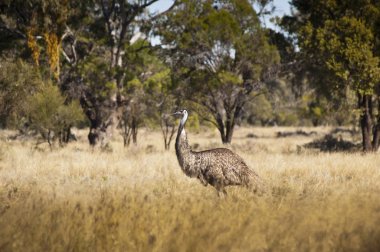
(376, 133)
(222, 132)
(97, 135)
(134, 131)
(65, 135)
(103, 123)
(233, 115)
(49, 139)
(365, 104)
(226, 132)
(226, 129)
(376, 137)
(126, 133)
(229, 132)
(230, 123)
(168, 129)
(221, 127)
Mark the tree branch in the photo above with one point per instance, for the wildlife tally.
(68, 33)
(12, 31)
(107, 14)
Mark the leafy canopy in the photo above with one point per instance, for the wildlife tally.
(340, 38)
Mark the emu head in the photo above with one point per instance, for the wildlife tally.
(182, 112)
(184, 115)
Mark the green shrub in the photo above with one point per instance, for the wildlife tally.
(49, 115)
(18, 80)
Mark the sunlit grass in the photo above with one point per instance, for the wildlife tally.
(138, 199)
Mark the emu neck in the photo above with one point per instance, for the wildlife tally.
(182, 147)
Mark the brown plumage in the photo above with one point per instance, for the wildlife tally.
(218, 167)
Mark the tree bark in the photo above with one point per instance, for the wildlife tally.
(376, 133)
(376, 137)
(134, 130)
(226, 131)
(229, 131)
(168, 129)
(233, 115)
(126, 133)
(104, 118)
(49, 139)
(365, 104)
(221, 129)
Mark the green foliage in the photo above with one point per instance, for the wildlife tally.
(35, 29)
(148, 88)
(348, 44)
(229, 78)
(95, 71)
(286, 119)
(146, 70)
(18, 80)
(225, 37)
(44, 108)
(260, 111)
(313, 109)
(340, 38)
(71, 114)
(193, 123)
(339, 46)
(48, 112)
(217, 54)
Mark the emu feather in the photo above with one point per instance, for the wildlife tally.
(218, 167)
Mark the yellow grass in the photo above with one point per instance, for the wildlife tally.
(138, 199)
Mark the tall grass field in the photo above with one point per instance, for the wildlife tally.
(138, 199)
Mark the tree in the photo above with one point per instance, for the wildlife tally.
(114, 30)
(340, 39)
(218, 52)
(150, 91)
(39, 28)
(93, 47)
(38, 31)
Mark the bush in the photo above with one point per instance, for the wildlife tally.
(50, 116)
(18, 80)
(259, 111)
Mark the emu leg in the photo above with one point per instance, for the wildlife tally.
(203, 180)
(222, 194)
(221, 190)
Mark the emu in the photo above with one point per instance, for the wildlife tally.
(218, 167)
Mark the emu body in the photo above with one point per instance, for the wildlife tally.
(218, 167)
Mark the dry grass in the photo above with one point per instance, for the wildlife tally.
(137, 199)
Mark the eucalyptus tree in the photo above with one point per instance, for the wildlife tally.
(38, 30)
(115, 25)
(340, 40)
(82, 44)
(33, 37)
(218, 53)
(150, 92)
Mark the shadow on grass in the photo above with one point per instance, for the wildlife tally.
(330, 143)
